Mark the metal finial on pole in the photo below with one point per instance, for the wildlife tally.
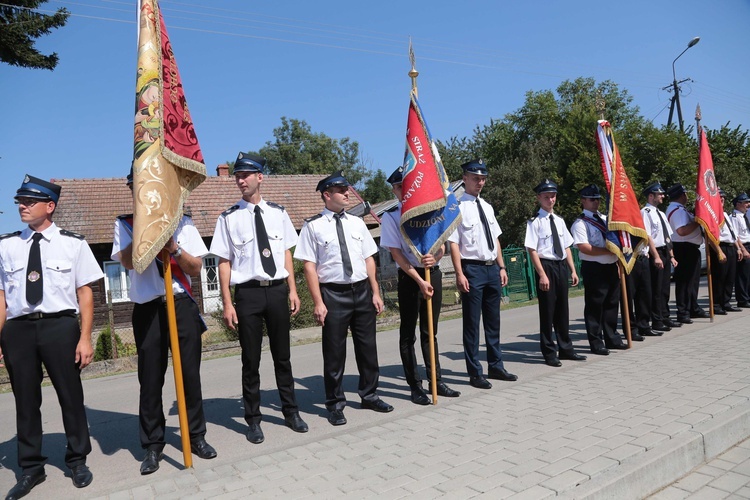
(600, 104)
(413, 73)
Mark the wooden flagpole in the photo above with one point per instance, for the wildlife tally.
(413, 74)
(187, 455)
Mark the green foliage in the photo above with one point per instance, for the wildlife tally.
(377, 188)
(20, 26)
(103, 349)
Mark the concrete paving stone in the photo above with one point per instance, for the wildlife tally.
(526, 467)
(348, 485)
(459, 483)
(663, 419)
(565, 481)
(636, 430)
(164, 487)
(720, 463)
(613, 430)
(589, 453)
(710, 470)
(533, 493)
(715, 409)
(491, 482)
(670, 493)
(587, 442)
(526, 481)
(650, 440)
(708, 493)
(206, 475)
(658, 413)
(596, 466)
(397, 482)
(224, 470)
(743, 492)
(673, 429)
(556, 442)
(559, 467)
(743, 468)
(729, 482)
(185, 480)
(425, 482)
(623, 452)
(694, 481)
(181, 493)
(578, 424)
(430, 467)
(736, 455)
(143, 492)
(525, 456)
(555, 455)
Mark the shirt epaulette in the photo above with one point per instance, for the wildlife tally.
(230, 210)
(9, 235)
(316, 216)
(275, 205)
(125, 216)
(582, 215)
(647, 209)
(393, 208)
(533, 216)
(65, 232)
(189, 215)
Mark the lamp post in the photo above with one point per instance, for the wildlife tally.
(676, 88)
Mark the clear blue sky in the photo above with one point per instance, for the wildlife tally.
(342, 67)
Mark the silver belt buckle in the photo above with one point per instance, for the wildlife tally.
(264, 282)
(489, 262)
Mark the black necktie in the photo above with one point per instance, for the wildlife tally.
(731, 231)
(599, 219)
(747, 224)
(266, 256)
(34, 287)
(664, 231)
(555, 237)
(342, 246)
(486, 225)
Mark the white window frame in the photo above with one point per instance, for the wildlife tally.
(124, 293)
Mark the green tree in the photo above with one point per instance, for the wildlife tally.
(377, 188)
(20, 26)
(730, 149)
(296, 149)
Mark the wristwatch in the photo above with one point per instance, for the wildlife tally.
(177, 252)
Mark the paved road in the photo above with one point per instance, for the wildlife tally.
(621, 426)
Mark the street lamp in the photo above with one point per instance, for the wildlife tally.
(676, 88)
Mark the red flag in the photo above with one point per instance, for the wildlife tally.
(624, 220)
(709, 211)
(167, 160)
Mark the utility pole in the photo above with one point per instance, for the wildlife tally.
(676, 88)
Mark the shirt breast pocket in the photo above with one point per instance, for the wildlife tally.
(358, 241)
(468, 231)
(276, 240)
(13, 272)
(59, 272)
(241, 243)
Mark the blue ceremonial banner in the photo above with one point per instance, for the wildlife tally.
(429, 211)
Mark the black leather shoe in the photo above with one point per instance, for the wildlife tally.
(201, 448)
(502, 374)
(444, 391)
(601, 351)
(81, 476)
(700, 314)
(336, 417)
(150, 463)
(732, 309)
(653, 333)
(480, 382)
(553, 362)
(295, 422)
(418, 396)
(743, 305)
(24, 485)
(255, 434)
(719, 312)
(573, 356)
(377, 405)
(636, 337)
(685, 321)
(672, 324)
(617, 347)
(659, 327)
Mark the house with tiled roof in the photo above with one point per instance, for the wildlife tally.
(90, 207)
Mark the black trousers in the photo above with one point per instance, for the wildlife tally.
(482, 300)
(151, 332)
(349, 308)
(660, 287)
(638, 283)
(742, 281)
(553, 309)
(601, 303)
(254, 306)
(723, 274)
(686, 278)
(26, 344)
(413, 306)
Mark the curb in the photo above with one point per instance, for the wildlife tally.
(649, 472)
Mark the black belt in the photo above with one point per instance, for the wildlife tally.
(260, 283)
(725, 244)
(663, 247)
(339, 287)
(421, 270)
(642, 257)
(553, 261)
(696, 245)
(163, 298)
(42, 315)
(471, 262)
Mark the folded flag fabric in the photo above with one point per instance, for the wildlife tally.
(709, 210)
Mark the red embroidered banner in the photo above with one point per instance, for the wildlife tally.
(709, 211)
(167, 160)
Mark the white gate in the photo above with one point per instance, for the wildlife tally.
(210, 283)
